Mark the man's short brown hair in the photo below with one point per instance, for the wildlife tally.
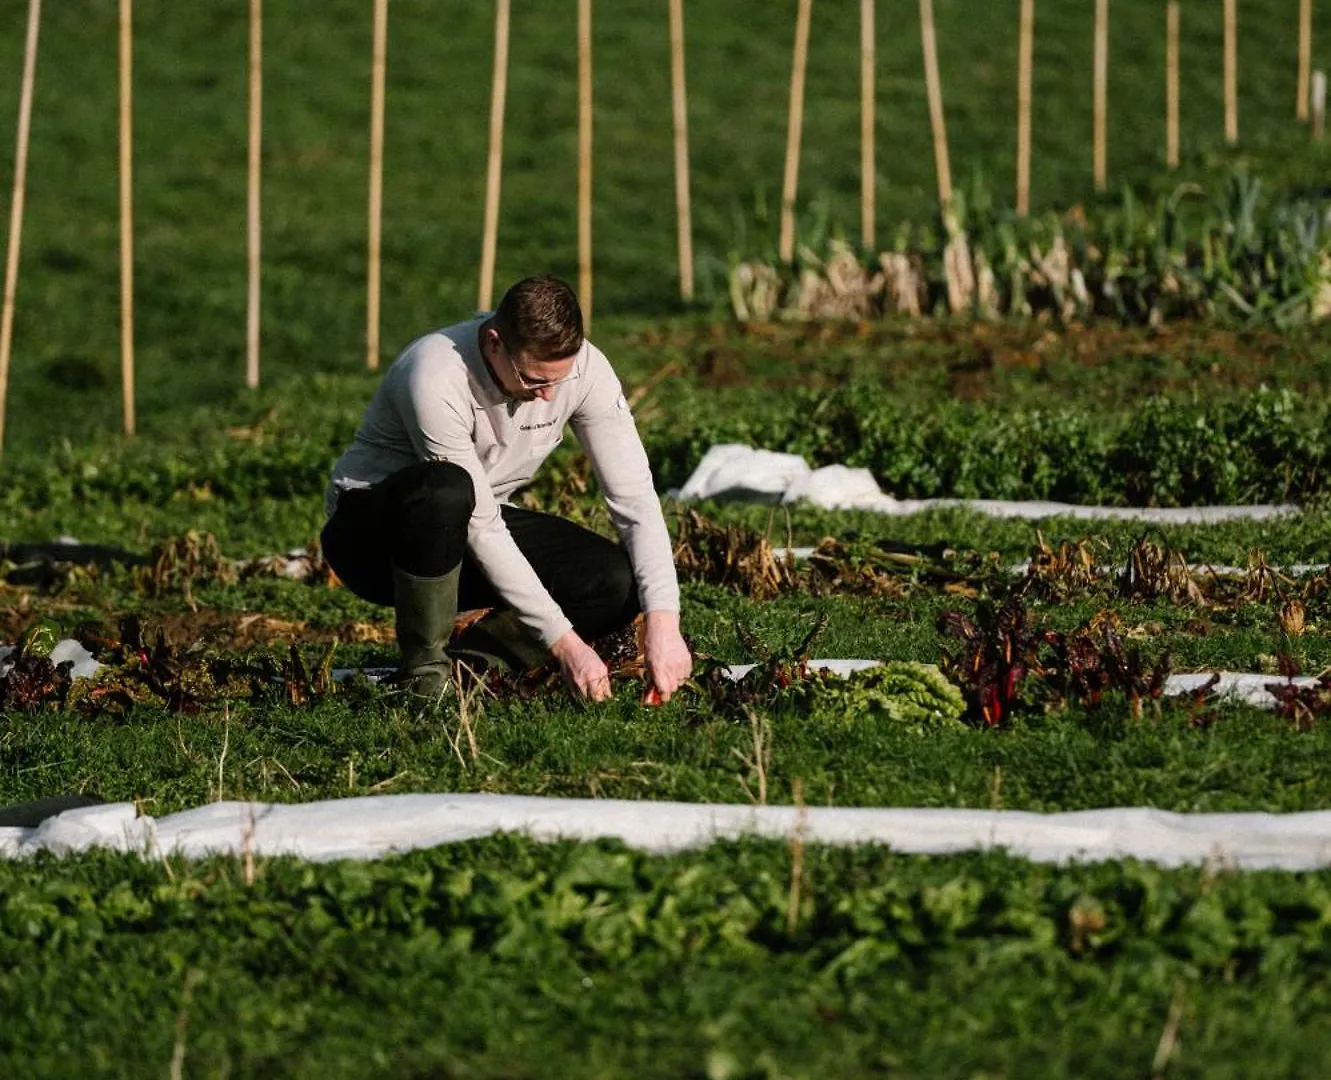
(539, 317)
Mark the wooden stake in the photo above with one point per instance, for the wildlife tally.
(683, 213)
(16, 207)
(1171, 84)
(1318, 103)
(794, 131)
(585, 159)
(1025, 64)
(935, 90)
(1101, 76)
(378, 68)
(127, 213)
(1305, 59)
(867, 156)
(494, 166)
(1231, 71)
(255, 234)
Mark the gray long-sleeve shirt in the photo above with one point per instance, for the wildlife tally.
(439, 402)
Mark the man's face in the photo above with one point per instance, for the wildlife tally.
(522, 378)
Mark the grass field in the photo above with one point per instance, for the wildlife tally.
(190, 155)
(509, 958)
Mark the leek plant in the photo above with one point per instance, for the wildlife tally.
(1233, 257)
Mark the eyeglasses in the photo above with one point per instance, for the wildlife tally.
(524, 380)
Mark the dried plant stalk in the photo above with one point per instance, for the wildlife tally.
(732, 557)
(1156, 570)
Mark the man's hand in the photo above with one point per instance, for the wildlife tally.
(584, 671)
(669, 662)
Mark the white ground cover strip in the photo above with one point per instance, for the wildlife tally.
(735, 471)
(375, 826)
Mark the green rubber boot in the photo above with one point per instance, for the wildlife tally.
(500, 640)
(426, 608)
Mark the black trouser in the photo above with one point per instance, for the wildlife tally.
(417, 519)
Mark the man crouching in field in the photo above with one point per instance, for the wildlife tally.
(418, 511)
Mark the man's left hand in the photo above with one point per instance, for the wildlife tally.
(669, 662)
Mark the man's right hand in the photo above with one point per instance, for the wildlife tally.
(584, 671)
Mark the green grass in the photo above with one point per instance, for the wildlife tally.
(1245, 760)
(190, 110)
(365, 740)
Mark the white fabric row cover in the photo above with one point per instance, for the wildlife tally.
(735, 471)
(375, 826)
